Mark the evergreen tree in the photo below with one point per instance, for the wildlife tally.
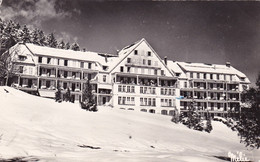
(25, 35)
(88, 101)
(68, 95)
(249, 122)
(41, 38)
(61, 45)
(34, 37)
(58, 94)
(51, 41)
(67, 46)
(208, 124)
(193, 119)
(75, 47)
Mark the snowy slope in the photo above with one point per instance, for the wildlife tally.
(37, 127)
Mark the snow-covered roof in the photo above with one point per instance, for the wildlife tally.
(69, 54)
(210, 68)
(172, 65)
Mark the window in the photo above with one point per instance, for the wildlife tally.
(141, 101)
(162, 72)
(104, 78)
(136, 52)
(48, 60)
(198, 75)
(119, 100)
(155, 71)
(211, 76)
(205, 76)
(230, 77)
(224, 77)
(217, 76)
(149, 53)
(128, 69)
(104, 68)
(21, 58)
(128, 89)
(119, 88)
(65, 62)
(20, 69)
(144, 61)
(58, 62)
(128, 60)
(141, 90)
(191, 75)
(153, 104)
(133, 89)
(149, 62)
(121, 69)
(82, 64)
(40, 59)
(185, 84)
(89, 65)
(132, 100)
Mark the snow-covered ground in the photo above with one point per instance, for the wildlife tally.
(40, 128)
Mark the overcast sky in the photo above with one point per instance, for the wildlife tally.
(208, 32)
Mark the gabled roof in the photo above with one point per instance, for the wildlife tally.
(128, 49)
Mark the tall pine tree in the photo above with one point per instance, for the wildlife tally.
(51, 41)
(88, 101)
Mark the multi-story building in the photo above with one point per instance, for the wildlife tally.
(136, 78)
(211, 88)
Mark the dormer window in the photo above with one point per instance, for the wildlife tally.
(105, 68)
(136, 52)
(89, 65)
(149, 53)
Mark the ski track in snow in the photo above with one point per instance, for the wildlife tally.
(38, 128)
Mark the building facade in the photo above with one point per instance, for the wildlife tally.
(136, 78)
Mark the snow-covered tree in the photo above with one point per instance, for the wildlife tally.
(61, 45)
(67, 46)
(34, 36)
(67, 96)
(41, 38)
(75, 47)
(88, 101)
(25, 35)
(51, 41)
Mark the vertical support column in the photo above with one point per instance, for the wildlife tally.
(137, 80)
(19, 78)
(56, 72)
(158, 81)
(38, 82)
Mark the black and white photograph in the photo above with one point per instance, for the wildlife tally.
(132, 81)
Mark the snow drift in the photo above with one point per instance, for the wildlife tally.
(35, 127)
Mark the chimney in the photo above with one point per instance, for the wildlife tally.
(117, 52)
(165, 60)
(228, 64)
(106, 57)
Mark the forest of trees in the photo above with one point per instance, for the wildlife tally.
(12, 32)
